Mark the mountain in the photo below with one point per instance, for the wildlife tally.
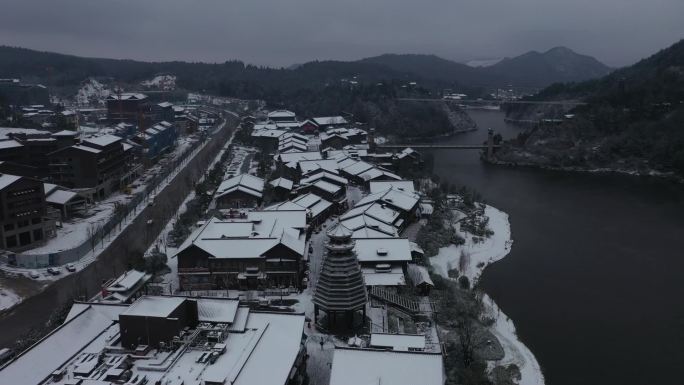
(430, 67)
(239, 79)
(532, 69)
(633, 121)
(482, 62)
(557, 65)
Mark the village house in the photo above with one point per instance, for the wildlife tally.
(282, 188)
(407, 159)
(260, 249)
(97, 164)
(240, 191)
(66, 201)
(330, 121)
(318, 210)
(406, 203)
(308, 127)
(129, 107)
(373, 366)
(126, 288)
(156, 140)
(405, 186)
(383, 260)
(22, 212)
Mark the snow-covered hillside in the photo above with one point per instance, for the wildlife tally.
(92, 93)
(161, 82)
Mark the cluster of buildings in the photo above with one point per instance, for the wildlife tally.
(264, 234)
(259, 236)
(50, 174)
(166, 340)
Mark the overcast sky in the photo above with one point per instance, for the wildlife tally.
(283, 32)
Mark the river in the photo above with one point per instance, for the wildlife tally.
(594, 279)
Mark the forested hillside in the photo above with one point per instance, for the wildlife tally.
(634, 119)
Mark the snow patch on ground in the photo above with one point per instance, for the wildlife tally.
(161, 82)
(515, 351)
(8, 299)
(91, 92)
(482, 254)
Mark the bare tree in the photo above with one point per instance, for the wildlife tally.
(465, 339)
(463, 261)
(91, 236)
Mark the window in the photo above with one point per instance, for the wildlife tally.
(38, 234)
(9, 226)
(23, 223)
(11, 241)
(25, 238)
(36, 221)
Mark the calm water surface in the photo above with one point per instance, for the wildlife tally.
(595, 279)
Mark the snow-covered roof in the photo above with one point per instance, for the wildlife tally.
(250, 237)
(401, 342)
(327, 176)
(103, 140)
(7, 179)
(294, 136)
(394, 278)
(10, 144)
(369, 366)
(365, 226)
(5, 132)
(79, 330)
(282, 183)
(313, 203)
(244, 182)
(287, 125)
(426, 208)
(329, 120)
(264, 354)
(127, 96)
(407, 152)
(86, 148)
(383, 250)
(65, 133)
(376, 172)
(281, 114)
(267, 133)
(401, 185)
(295, 157)
(419, 275)
(292, 145)
(357, 168)
(403, 200)
(128, 280)
(378, 211)
(60, 197)
(327, 187)
(217, 310)
(154, 306)
(308, 166)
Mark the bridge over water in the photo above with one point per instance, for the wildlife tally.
(438, 146)
(498, 102)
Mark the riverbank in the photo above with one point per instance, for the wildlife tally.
(668, 176)
(479, 254)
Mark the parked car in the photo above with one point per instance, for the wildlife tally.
(71, 267)
(34, 274)
(53, 270)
